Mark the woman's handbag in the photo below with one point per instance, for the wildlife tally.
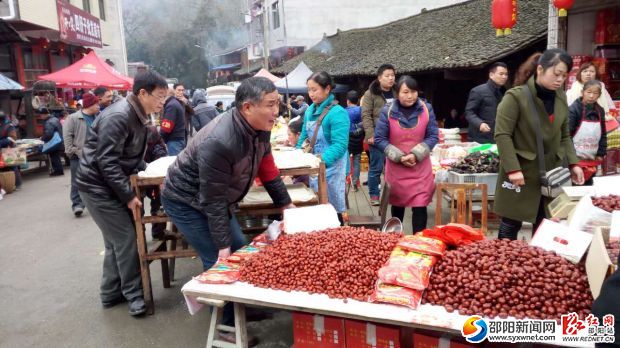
(53, 144)
(551, 182)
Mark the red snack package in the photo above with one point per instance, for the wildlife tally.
(223, 272)
(395, 294)
(422, 244)
(454, 234)
(408, 269)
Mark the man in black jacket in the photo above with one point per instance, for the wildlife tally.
(114, 150)
(482, 104)
(203, 113)
(217, 169)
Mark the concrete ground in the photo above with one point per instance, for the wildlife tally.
(51, 267)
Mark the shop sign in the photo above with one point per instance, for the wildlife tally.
(77, 26)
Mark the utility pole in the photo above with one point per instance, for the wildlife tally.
(265, 35)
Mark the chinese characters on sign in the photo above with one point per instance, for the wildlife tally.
(77, 26)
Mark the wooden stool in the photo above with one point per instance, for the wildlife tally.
(240, 330)
(462, 197)
(160, 250)
(373, 222)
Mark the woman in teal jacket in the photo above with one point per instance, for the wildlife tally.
(332, 137)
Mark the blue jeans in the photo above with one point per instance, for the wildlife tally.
(195, 227)
(377, 160)
(175, 147)
(355, 175)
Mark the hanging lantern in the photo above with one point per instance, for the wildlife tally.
(61, 47)
(44, 43)
(504, 16)
(563, 6)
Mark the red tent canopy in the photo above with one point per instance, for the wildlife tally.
(89, 72)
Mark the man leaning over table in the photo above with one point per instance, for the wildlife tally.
(216, 170)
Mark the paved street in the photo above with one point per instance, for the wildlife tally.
(51, 267)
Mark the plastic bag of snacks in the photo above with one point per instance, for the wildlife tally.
(408, 269)
(244, 253)
(454, 234)
(394, 294)
(223, 272)
(424, 245)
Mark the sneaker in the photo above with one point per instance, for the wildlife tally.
(113, 302)
(77, 211)
(137, 307)
(374, 200)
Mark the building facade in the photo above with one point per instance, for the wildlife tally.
(60, 32)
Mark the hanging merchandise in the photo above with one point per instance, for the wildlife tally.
(563, 6)
(504, 16)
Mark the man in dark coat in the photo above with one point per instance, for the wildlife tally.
(217, 169)
(52, 125)
(203, 113)
(114, 150)
(482, 104)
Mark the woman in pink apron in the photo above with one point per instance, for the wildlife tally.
(407, 132)
(586, 122)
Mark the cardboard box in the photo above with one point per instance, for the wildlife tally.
(598, 263)
(312, 331)
(360, 334)
(427, 340)
(570, 244)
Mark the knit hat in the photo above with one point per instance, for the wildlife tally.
(88, 100)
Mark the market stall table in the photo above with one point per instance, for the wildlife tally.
(429, 317)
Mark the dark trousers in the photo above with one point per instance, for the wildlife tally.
(76, 200)
(121, 267)
(377, 160)
(509, 228)
(157, 230)
(56, 162)
(418, 219)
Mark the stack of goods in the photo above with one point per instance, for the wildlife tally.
(340, 262)
(613, 139)
(477, 163)
(228, 271)
(501, 278)
(449, 136)
(407, 273)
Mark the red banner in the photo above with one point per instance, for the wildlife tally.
(77, 26)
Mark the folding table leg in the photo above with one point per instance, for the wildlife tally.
(241, 333)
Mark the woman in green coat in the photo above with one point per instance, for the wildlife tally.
(518, 197)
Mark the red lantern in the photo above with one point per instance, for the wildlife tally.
(504, 16)
(563, 6)
(44, 43)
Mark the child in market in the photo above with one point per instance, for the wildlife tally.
(294, 131)
(587, 128)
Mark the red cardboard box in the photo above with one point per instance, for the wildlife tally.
(312, 331)
(360, 334)
(423, 340)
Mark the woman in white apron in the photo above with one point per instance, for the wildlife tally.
(587, 72)
(326, 128)
(407, 132)
(586, 120)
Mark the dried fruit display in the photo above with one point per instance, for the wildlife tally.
(478, 163)
(607, 203)
(340, 262)
(501, 278)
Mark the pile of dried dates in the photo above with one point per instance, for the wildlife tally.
(607, 203)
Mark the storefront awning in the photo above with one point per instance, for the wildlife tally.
(6, 84)
(8, 34)
(232, 66)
